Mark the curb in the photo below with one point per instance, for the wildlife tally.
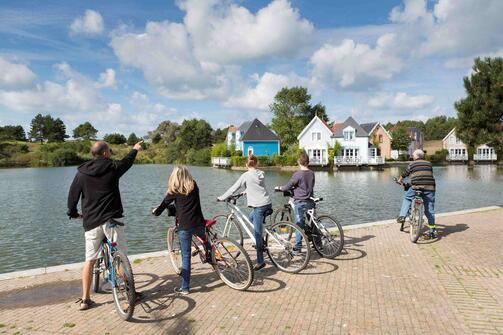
(132, 258)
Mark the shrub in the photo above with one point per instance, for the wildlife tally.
(220, 150)
(200, 157)
(439, 156)
(238, 161)
(115, 138)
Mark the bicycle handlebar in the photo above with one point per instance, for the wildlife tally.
(405, 186)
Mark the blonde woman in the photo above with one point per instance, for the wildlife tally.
(183, 191)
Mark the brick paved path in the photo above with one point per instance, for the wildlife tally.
(382, 285)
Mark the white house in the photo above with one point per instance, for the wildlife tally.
(458, 151)
(317, 138)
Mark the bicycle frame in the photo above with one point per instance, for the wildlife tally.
(245, 223)
(311, 213)
(109, 276)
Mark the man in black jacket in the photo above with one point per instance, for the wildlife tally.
(97, 182)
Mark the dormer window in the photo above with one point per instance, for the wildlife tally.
(349, 134)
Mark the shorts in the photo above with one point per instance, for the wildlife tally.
(94, 238)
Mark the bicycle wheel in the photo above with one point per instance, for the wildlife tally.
(281, 247)
(174, 251)
(328, 237)
(232, 263)
(123, 289)
(416, 222)
(282, 214)
(227, 227)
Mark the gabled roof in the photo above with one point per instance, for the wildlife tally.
(350, 122)
(369, 127)
(446, 136)
(335, 126)
(245, 126)
(315, 118)
(257, 131)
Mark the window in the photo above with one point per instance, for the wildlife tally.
(380, 138)
(250, 151)
(349, 135)
(316, 136)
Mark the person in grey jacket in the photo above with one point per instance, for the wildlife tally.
(253, 181)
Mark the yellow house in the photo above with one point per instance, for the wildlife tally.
(379, 137)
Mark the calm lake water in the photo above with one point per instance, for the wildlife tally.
(35, 232)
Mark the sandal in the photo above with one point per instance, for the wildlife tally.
(84, 304)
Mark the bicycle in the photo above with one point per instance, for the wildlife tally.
(324, 231)
(415, 213)
(229, 259)
(278, 241)
(114, 267)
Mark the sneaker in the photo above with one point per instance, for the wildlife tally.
(400, 219)
(431, 234)
(179, 290)
(84, 304)
(258, 267)
(296, 251)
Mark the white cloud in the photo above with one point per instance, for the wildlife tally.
(410, 11)
(354, 65)
(262, 95)
(165, 56)
(15, 75)
(89, 24)
(147, 113)
(399, 101)
(224, 32)
(107, 79)
(199, 58)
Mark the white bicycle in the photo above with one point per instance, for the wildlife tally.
(279, 241)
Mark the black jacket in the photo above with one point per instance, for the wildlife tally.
(188, 209)
(98, 183)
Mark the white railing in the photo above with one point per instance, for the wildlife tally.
(358, 160)
(376, 160)
(485, 157)
(318, 161)
(221, 161)
(460, 157)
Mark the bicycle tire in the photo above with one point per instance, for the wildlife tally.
(416, 222)
(125, 308)
(232, 263)
(174, 251)
(233, 231)
(331, 238)
(282, 254)
(282, 214)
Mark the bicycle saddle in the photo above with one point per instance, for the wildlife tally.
(209, 223)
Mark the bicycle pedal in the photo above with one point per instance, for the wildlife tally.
(195, 252)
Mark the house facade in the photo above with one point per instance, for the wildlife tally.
(317, 138)
(416, 139)
(458, 152)
(254, 138)
(379, 137)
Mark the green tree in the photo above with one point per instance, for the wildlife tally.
(12, 133)
(194, 134)
(220, 150)
(219, 135)
(166, 132)
(436, 128)
(85, 131)
(480, 113)
(115, 138)
(401, 139)
(47, 128)
(132, 139)
(292, 112)
(37, 128)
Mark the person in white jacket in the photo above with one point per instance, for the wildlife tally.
(253, 181)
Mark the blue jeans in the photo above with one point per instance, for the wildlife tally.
(429, 205)
(185, 237)
(257, 218)
(301, 208)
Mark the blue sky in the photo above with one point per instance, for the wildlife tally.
(127, 65)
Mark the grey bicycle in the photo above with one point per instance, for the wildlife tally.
(415, 214)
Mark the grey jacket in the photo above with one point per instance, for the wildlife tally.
(253, 182)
